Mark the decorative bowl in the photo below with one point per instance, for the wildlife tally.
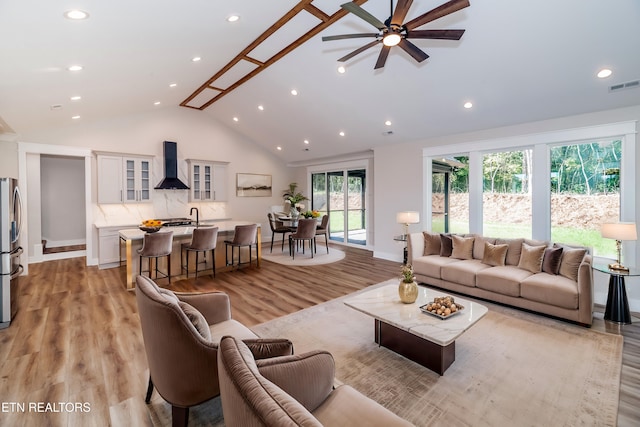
(148, 229)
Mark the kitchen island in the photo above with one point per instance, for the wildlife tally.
(132, 239)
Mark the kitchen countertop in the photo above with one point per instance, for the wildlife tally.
(124, 225)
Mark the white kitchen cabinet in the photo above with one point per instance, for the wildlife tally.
(108, 247)
(207, 181)
(124, 178)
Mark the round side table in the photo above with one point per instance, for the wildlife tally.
(617, 309)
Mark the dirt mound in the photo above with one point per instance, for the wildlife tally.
(567, 210)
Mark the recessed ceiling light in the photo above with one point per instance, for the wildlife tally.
(235, 119)
(260, 107)
(173, 84)
(156, 103)
(306, 141)
(388, 123)
(342, 69)
(468, 105)
(76, 14)
(75, 98)
(294, 92)
(75, 117)
(233, 18)
(604, 73)
(74, 68)
(195, 59)
(341, 133)
(279, 148)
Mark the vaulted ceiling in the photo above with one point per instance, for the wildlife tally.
(518, 61)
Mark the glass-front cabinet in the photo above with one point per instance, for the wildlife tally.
(137, 179)
(124, 178)
(207, 180)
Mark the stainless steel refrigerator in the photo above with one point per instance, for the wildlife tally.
(10, 250)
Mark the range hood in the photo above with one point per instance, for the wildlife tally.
(171, 181)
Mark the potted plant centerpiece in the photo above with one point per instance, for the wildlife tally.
(408, 289)
(294, 197)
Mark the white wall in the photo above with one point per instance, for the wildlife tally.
(399, 183)
(8, 158)
(198, 136)
(62, 200)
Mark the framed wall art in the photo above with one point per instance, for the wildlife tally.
(253, 185)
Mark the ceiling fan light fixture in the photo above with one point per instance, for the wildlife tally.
(391, 39)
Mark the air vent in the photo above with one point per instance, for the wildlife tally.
(388, 133)
(622, 86)
(55, 107)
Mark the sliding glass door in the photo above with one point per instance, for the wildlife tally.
(341, 194)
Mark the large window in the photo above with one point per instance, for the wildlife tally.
(450, 195)
(506, 198)
(585, 193)
(341, 195)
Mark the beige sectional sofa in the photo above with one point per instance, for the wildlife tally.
(553, 279)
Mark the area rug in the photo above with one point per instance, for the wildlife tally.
(320, 257)
(512, 368)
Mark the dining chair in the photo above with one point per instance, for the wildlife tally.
(203, 240)
(277, 227)
(306, 231)
(323, 230)
(156, 245)
(245, 235)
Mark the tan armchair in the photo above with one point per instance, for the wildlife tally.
(181, 335)
(291, 391)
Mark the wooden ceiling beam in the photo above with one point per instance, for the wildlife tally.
(326, 21)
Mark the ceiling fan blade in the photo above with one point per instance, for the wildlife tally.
(349, 36)
(382, 58)
(359, 50)
(402, 7)
(413, 50)
(363, 14)
(435, 34)
(440, 11)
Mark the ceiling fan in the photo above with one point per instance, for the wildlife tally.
(393, 32)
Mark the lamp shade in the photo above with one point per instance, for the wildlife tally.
(408, 217)
(619, 231)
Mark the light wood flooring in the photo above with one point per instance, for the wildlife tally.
(77, 337)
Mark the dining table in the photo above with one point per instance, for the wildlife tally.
(132, 239)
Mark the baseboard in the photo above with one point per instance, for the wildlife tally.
(389, 256)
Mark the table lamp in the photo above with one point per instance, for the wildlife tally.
(406, 218)
(619, 231)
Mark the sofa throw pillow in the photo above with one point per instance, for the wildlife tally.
(431, 243)
(462, 247)
(495, 255)
(570, 262)
(551, 260)
(197, 320)
(515, 248)
(531, 258)
(446, 245)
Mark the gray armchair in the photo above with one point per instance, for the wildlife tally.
(291, 391)
(181, 333)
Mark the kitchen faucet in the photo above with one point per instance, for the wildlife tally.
(197, 216)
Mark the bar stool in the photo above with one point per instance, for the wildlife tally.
(245, 235)
(156, 245)
(204, 239)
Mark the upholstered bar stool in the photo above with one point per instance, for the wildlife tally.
(203, 240)
(245, 235)
(156, 245)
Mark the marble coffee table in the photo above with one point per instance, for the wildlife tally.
(405, 329)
